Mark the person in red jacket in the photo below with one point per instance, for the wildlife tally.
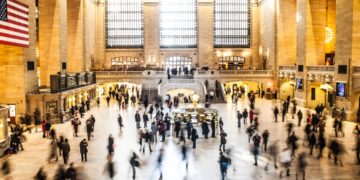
(43, 127)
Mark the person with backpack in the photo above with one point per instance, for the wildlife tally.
(194, 137)
(223, 136)
(224, 163)
(256, 140)
(134, 162)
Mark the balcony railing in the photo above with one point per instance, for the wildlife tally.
(356, 70)
(287, 68)
(255, 72)
(321, 69)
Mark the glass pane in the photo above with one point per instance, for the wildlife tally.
(232, 23)
(124, 24)
(178, 23)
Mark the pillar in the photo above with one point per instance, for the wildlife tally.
(151, 12)
(52, 38)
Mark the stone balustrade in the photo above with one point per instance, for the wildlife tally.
(356, 70)
(321, 69)
(287, 68)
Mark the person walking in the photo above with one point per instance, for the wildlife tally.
(65, 148)
(284, 111)
(239, 117)
(110, 145)
(60, 173)
(213, 125)
(265, 136)
(177, 128)
(292, 141)
(301, 169)
(223, 136)
(71, 172)
(256, 140)
(89, 128)
(41, 174)
(224, 163)
(276, 113)
(245, 116)
(154, 129)
(221, 124)
(83, 150)
(134, 162)
(321, 144)
(137, 119)
(110, 167)
(145, 119)
(120, 122)
(205, 129)
(300, 116)
(312, 142)
(189, 128)
(76, 123)
(194, 137)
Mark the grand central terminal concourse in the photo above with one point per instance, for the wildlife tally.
(179, 89)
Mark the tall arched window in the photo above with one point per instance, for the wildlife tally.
(232, 23)
(178, 23)
(124, 24)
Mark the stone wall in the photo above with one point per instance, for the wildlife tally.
(52, 38)
(15, 80)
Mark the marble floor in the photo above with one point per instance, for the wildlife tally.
(203, 161)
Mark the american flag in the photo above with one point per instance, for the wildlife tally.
(14, 23)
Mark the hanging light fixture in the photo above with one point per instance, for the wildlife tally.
(328, 32)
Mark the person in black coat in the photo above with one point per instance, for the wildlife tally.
(83, 150)
(239, 117)
(213, 127)
(205, 129)
(137, 119)
(177, 128)
(65, 148)
(194, 137)
(312, 142)
(71, 172)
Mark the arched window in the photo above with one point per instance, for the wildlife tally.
(231, 62)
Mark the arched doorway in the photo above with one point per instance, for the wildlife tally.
(177, 62)
(287, 88)
(319, 93)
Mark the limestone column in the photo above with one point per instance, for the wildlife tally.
(254, 35)
(100, 61)
(206, 34)
(75, 36)
(310, 33)
(52, 38)
(347, 51)
(151, 10)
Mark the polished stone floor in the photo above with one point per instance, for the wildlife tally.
(203, 163)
